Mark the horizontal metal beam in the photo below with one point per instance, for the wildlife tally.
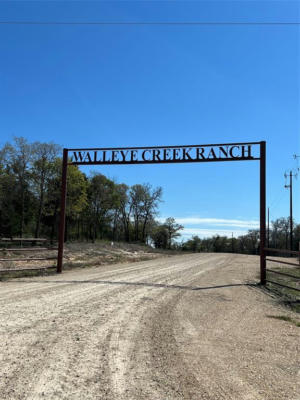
(285, 286)
(28, 249)
(162, 161)
(26, 269)
(23, 240)
(283, 262)
(27, 259)
(283, 251)
(283, 273)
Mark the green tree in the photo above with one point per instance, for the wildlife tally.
(42, 171)
(159, 235)
(144, 202)
(280, 233)
(119, 201)
(125, 210)
(173, 230)
(136, 198)
(193, 244)
(100, 202)
(9, 220)
(18, 157)
(151, 200)
(76, 196)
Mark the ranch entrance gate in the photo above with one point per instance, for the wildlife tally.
(251, 151)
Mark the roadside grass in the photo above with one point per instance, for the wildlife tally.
(289, 296)
(285, 318)
(87, 255)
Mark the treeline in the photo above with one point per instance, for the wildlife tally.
(278, 237)
(97, 207)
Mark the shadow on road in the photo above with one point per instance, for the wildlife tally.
(144, 284)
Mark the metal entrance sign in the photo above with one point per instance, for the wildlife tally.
(165, 154)
(250, 151)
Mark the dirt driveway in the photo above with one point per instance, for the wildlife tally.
(183, 327)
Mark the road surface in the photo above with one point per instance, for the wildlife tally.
(183, 327)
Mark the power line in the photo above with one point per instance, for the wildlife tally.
(151, 23)
(275, 204)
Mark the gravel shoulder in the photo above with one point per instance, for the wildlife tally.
(182, 327)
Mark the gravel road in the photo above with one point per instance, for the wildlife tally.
(182, 327)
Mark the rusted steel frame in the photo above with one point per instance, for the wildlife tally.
(29, 249)
(283, 251)
(161, 161)
(282, 262)
(61, 236)
(261, 158)
(26, 269)
(262, 173)
(283, 273)
(23, 240)
(27, 259)
(163, 147)
(285, 286)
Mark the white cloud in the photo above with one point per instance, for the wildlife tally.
(187, 233)
(238, 223)
(207, 227)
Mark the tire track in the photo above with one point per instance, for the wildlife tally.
(146, 331)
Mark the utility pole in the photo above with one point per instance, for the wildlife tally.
(290, 186)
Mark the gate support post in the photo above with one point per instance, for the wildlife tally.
(62, 218)
(262, 165)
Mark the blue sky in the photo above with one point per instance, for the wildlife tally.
(118, 85)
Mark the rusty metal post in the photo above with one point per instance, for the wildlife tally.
(62, 218)
(262, 165)
(268, 229)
